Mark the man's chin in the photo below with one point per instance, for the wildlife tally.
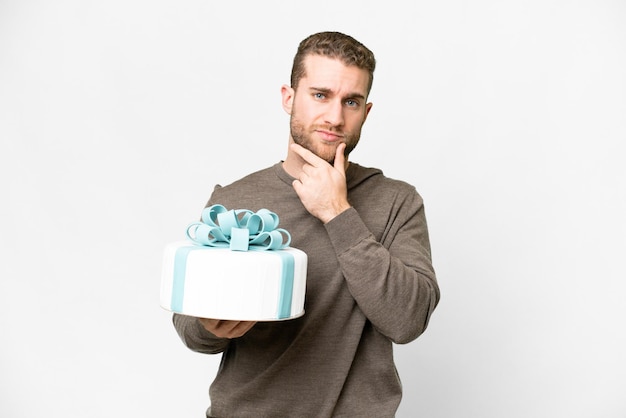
(326, 153)
(327, 156)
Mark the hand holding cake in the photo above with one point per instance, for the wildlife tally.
(226, 329)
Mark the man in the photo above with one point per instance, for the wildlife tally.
(370, 281)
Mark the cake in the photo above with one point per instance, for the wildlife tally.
(235, 265)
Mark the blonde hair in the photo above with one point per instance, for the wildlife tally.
(333, 45)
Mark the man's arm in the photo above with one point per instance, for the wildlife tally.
(393, 282)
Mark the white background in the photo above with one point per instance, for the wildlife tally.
(117, 119)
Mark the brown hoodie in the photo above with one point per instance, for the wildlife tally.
(370, 283)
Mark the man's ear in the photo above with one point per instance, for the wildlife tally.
(287, 98)
(368, 107)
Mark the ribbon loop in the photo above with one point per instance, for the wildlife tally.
(209, 215)
(239, 230)
(227, 221)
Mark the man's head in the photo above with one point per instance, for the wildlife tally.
(327, 100)
(334, 45)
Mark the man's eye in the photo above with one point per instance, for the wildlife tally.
(352, 103)
(319, 95)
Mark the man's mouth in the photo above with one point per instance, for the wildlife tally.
(329, 135)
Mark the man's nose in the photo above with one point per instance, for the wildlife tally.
(334, 113)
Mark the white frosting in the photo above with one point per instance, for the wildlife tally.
(224, 284)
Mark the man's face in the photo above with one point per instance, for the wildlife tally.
(328, 106)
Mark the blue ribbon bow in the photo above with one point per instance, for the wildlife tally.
(239, 229)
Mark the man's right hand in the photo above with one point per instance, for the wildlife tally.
(225, 328)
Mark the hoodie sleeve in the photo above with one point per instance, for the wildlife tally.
(392, 279)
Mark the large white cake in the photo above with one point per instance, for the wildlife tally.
(208, 278)
(220, 283)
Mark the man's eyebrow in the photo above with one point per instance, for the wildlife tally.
(327, 90)
(321, 89)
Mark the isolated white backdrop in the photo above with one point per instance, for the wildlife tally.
(117, 119)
